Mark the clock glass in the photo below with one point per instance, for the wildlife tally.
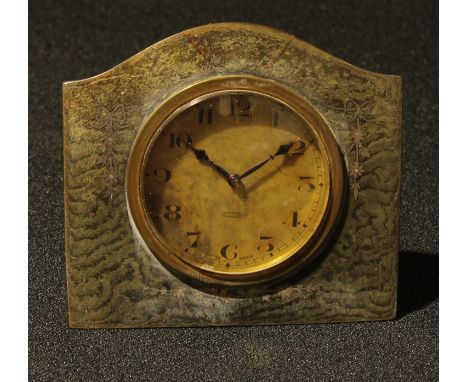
(234, 184)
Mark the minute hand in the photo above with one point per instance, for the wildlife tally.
(282, 150)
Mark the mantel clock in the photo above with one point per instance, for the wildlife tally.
(231, 175)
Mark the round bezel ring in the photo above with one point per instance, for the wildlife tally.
(187, 96)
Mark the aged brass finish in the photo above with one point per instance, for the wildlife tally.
(117, 265)
(294, 258)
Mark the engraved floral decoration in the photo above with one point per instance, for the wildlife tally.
(358, 114)
(200, 46)
(146, 109)
(109, 122)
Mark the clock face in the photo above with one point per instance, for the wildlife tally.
(235, 183)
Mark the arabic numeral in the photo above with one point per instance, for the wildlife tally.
(179, 140)
(173, 212)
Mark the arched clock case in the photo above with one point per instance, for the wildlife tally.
(231, 174)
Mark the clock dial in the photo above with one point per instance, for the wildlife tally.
(235, 183)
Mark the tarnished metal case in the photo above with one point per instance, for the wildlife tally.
(114, 281)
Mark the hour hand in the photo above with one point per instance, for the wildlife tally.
(282, 150)
(203, 157)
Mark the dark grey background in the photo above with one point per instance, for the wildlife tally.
(71, 40)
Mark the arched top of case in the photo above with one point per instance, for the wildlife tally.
(215, 43)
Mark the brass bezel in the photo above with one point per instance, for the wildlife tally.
(157, 246)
